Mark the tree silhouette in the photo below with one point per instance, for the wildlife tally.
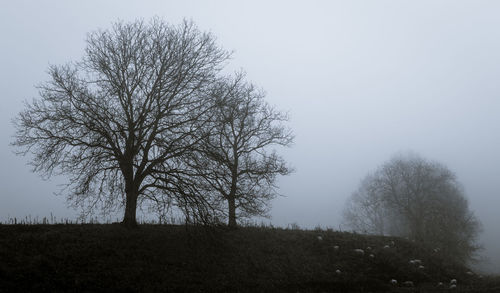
(119, 121)
(415, 198)
(236, 162)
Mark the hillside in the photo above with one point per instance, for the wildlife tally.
(153, 258)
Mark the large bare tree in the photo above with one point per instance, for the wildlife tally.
(237, 163)
(415, 198)
(119, 121)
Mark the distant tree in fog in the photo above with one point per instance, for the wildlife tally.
(236, 162)
(365, 210)
(120, 121)
(418, 199)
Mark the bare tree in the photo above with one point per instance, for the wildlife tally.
(418, 199)
(365, 210)
(119, 121)
(236, 163)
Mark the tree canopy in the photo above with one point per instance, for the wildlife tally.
(418, 199)
(118, 121)
(130, 122)
(236, 161)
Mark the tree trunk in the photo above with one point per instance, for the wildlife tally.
(129, 220)
(231, 199)
(232, 212)
(417, 230)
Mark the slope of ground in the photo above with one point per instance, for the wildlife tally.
(154, 258)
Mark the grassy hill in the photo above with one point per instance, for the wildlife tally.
(167, 258)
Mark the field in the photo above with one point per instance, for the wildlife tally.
(180, 258)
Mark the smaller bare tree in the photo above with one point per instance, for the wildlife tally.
(235, 162)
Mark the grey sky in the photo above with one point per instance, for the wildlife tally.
(362, 80)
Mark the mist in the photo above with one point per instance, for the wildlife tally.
(361, 80)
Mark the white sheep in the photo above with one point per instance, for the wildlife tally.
(453, 282)
(440, 284)
(386, 247)
(394, 282)
(372, 256)
(320, 238)
(421, 267)
(359, 251)
(453, 286)
(338, 272)
(336, 247)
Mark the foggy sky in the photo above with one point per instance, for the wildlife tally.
(362, 81)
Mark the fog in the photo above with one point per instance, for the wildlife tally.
(361, 80)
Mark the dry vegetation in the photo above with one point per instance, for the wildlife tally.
(177, 258)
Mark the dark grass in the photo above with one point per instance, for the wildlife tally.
(177, 258)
